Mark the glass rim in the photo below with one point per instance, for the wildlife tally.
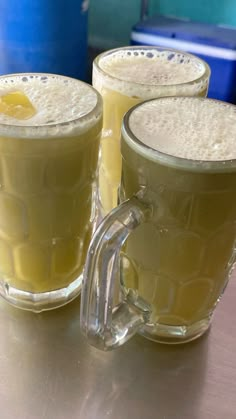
(168, 159)
(206, 74)
(37, 128)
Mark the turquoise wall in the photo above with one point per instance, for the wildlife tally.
(110, 21)
(211, 11)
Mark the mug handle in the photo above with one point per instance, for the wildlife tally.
(107, 327)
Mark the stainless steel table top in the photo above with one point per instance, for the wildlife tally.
(48, 371)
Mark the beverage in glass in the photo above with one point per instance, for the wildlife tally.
(127, 76)
(172, 241)
(49, 140)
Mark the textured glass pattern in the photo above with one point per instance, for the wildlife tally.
(180, 260)
(46, 209)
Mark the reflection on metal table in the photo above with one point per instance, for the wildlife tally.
(48, 371)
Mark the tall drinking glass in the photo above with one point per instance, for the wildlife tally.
(127, 76)
(49, 141)
(171, 244)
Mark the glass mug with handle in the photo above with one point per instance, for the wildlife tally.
(170, 244)
(127, 76)
(49, 141)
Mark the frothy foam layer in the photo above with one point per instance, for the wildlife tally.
(57, 100)
(191, 128)
(151, 68)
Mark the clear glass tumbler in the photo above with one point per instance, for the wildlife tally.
(127, 76)
(49, 142)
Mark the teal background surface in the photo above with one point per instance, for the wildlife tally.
(110, 21)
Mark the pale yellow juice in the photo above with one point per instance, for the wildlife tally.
(128, 76)
(180, 260)
(49, 142)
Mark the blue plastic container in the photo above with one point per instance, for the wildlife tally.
(44, 36)
(214, 44)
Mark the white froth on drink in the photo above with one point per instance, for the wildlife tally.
(58, 100)
(140, 72)
(190, 128)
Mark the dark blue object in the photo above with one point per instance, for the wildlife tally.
(44, 36)
(214, 44)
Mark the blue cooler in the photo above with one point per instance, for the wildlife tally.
(214, 44)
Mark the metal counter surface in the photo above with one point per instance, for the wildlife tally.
(47, 370)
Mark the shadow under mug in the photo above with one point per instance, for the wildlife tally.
(169, 246)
